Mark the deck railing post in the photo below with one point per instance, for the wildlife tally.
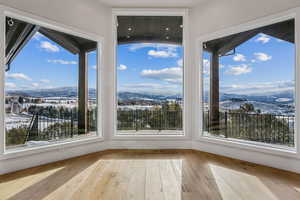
(72, 124)
(226, 125)
(136, 120)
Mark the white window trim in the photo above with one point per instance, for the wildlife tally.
(152, 12)
(30, 18)
(254, 146)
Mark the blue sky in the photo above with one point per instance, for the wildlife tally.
(150, 68)
(44, 64)
(261, 65)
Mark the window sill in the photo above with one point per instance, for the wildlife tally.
(51, 147)
(252, 146)
(150, 135)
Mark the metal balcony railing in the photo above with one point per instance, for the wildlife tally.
(149, 120)
(266, 128)
(43, 127)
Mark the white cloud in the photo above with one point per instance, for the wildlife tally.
(44, 81)
(180, 62)
(162, 54)
(122, 67)
(18, 76)
(38, 36)
(239, 69)
(10, 85)
(49, 47)
(149, 85)
(206, 66)
(239, 57)
(279, 40)
(63, 62)
(137, 46)
(35, 85)
(171, 75)
(158, 51)
(262, 56)
(150, 88)
(263, 38)
(262, 88)
(94, 67)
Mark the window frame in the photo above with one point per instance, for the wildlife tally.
(244, 144)
(30, 18)
(185, 111)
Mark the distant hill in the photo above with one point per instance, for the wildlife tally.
(266, 98)
(72, 92)
(280, 103)
(278, 97)
(275, 98)
(143, 96)
(52, 92)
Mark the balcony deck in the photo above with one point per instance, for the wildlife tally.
(150, 174)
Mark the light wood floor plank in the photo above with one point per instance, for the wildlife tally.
(150, 175)
(153, 187)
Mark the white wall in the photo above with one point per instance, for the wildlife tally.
(91, 16)
(217, 15)
(88, 15)
(85, 15)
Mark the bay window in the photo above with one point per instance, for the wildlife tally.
(249, 84)
(50, 85)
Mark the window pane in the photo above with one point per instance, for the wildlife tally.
(50, 85)
(249, 85)
(150, 75)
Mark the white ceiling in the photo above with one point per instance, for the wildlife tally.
(152, 3)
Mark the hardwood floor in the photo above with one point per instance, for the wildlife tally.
(150, 174)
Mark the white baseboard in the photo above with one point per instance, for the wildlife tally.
(276, 161)
(52, 155)
(129, 144)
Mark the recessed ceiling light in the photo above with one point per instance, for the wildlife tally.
(167, 29)
(181, 26)
(167, 37)
(10, 22)
(129, 29)
(128, 36)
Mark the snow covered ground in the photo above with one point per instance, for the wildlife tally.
(271, 108)
(17, 120)
(23, 120)
(65, 105)
(136, 107)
